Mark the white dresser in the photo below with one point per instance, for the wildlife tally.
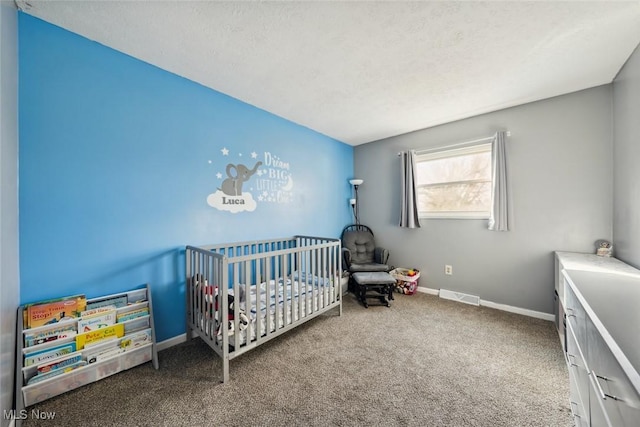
(600, 299)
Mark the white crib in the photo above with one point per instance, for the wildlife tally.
(270, 286)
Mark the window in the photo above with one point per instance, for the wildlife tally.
(454, 183)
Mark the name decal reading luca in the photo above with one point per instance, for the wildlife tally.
(269, 178)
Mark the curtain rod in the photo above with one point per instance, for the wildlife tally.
(456, 145)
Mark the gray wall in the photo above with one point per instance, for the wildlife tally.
(9, 280)
(560, 171)
(626, 154)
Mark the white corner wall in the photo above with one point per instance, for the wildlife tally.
(626, 154)
(9, 277)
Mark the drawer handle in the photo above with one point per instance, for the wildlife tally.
(603, 395)
(570, 362)
(570, 313)
(575, 413)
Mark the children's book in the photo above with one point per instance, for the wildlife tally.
(139, 295)
(134, 325)
(56, 372)
(117, 302)
(133, 314)
(97, 310)
(59, 363)
(56, 332)
(49, 353)
(94, 337)
(135, 340)
(104, 349)
(53, 311)
(97, 321)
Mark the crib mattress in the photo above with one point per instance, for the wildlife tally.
(281, 300)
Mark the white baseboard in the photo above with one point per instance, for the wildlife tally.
(518, 310)
(163, 345)
(497, 306)
(427, 290)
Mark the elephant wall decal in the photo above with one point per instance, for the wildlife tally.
(232, 186)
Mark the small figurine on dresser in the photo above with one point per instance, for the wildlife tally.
(604, 248)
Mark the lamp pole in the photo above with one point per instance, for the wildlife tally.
(355, 202)
(357, 212)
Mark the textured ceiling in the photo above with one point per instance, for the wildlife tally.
(363, 71)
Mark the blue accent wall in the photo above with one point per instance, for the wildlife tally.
(116, 161)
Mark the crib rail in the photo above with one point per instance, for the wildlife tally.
(275, 285)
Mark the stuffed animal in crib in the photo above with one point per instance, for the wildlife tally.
(210, 293)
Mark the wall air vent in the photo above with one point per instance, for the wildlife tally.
(460, 297)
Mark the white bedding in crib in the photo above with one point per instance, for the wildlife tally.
(283, 300)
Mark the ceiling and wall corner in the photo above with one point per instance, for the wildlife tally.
(364, 71)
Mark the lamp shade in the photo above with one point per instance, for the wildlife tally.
(355, 181)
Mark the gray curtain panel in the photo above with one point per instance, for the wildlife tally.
(499, 219)
(409, 207)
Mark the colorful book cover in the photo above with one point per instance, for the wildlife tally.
(123, 317)
(49, 353)
(98, 335)
(54, 311)
(59, 363)
(97, 321)
(118, 302)
(55, 333)
(104, 354)
(136, 340)
(54, 373)
(103, 349)
(97, 310)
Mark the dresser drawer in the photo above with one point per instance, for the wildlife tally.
(579, 412)
(613, 390)
(579, 375)
(576, 316)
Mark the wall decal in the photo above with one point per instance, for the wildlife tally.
(273, 183)
(232, 186)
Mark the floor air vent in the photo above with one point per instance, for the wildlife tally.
(460, 297)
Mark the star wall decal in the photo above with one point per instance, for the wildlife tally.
(225, 151)
(254, 155)
(219, 175)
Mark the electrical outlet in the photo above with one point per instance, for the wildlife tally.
(448, 270)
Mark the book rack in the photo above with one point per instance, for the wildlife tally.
(105, 357)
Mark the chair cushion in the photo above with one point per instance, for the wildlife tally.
(362, 246)
(374, 278)
(368, 267)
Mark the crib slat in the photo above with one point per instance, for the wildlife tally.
(236, 294)
(247, 301)
(286, 291)
(302, 287)
(314, 290)
(257, 323)
(276, 284)
(267, 273)
(323, 276)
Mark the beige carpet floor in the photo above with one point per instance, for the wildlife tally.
(424, 361)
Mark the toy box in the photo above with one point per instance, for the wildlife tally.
(406, 280)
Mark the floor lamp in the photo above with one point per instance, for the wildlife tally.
(354, 202)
